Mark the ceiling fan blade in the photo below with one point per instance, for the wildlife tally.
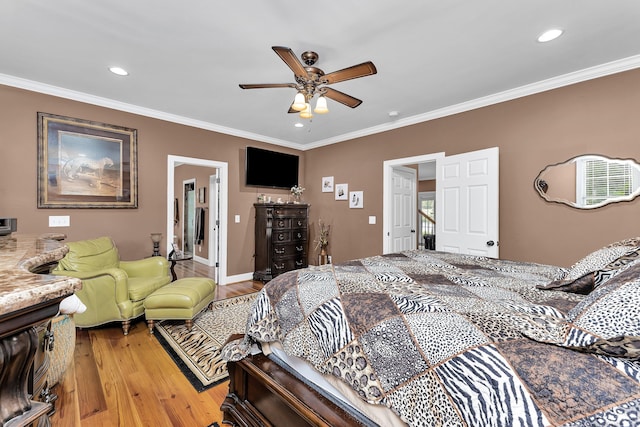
(342, 98)
(267, 85)
(291, 60)
(354, 72)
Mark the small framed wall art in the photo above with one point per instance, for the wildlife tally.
(327, 184)
(342, 191)
(356, 200)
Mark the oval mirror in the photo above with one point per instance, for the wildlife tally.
(589, 181)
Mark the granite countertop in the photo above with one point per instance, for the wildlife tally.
(19, 287)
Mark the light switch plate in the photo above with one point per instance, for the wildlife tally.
(372, 219)
(59, 221)
(237, 219)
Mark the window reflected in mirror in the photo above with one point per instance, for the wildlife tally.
(589, 181)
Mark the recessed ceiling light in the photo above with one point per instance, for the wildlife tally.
(299, 125)
(119, 71)
(393, 114)
(549, 35)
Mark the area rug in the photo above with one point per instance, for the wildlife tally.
(197, 352)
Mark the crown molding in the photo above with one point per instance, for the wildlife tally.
(586, 74)
(602, 70)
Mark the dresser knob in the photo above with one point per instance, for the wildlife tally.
(280, 236)
(299, 248)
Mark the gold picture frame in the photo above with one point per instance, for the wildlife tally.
(86, 164)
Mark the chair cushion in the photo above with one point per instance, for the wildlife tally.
(90, 255)
(141, 287)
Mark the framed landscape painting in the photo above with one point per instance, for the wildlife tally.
(85, 164)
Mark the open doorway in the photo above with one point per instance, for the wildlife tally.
(188, 216)
(466, 203)
(213, 192)
(391, 212)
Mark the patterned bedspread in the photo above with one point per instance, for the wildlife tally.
(437, 338)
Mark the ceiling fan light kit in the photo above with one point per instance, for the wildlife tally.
(311, 81)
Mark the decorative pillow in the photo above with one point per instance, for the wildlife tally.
(595, 261)
(589, 281)
(606, 322)
(582, 285)
(633, 241)
(617, 266)
(579, 278)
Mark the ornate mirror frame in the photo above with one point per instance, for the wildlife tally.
(589, 181)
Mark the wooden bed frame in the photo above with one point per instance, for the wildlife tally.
(262, 393)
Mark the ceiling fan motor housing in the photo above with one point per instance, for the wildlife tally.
(309, 57)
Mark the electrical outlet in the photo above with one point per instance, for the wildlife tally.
(372, 219)
(59, 221)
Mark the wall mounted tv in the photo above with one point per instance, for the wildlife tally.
(265, 168)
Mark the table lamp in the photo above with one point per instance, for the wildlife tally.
(156, 238)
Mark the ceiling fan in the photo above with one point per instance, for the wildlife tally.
(311, 81)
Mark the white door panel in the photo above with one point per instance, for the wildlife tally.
(404, 196)
(467, 203)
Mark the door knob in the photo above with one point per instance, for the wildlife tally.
(413, 231)
(490, 243)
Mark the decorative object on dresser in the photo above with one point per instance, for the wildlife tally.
(280, 238)
(296, 192)
(322, 241)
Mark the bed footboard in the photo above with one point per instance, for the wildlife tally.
(261, 393)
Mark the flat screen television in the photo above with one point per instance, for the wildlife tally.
(265, 168)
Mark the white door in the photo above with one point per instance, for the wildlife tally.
(214, 223)
(403, 222)
(467, 203)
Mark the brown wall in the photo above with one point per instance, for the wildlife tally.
(596, 117)
(599, 116)
(130, 228)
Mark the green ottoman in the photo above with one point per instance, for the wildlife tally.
(179, 300)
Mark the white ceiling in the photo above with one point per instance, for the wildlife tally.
(186, 59)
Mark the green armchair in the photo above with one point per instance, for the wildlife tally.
(112, 290)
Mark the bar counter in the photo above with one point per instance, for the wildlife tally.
(28, 300)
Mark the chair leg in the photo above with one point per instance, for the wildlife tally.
(150, 325)
(189, 324)
(125, 326)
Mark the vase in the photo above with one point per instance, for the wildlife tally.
(297, 199)
(323, 258)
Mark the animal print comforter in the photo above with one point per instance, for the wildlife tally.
(437, 338)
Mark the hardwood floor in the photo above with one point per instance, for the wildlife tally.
(118, 380)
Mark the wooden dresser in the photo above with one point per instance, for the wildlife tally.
(281, 239)
(28, 301)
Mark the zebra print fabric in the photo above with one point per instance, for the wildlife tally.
(441, 339)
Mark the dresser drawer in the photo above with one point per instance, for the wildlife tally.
(283, 251)
(281, 223)
(290, 212)
(282, 266)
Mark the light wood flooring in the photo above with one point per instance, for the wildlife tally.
(119, 380)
